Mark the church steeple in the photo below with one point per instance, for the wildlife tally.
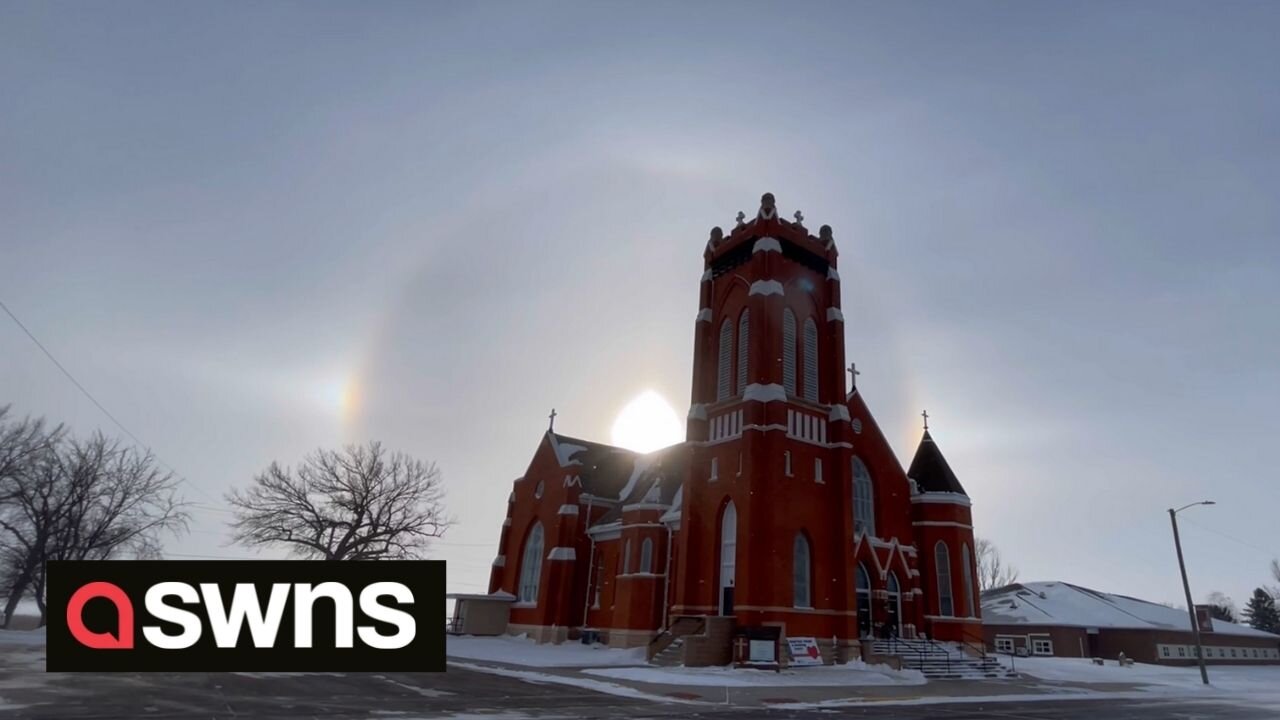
(930, 469)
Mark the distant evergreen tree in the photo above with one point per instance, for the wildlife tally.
(1261, 612)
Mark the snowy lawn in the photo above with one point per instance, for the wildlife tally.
(22, 638)
(853, 674)
(1234, 678)
(523, 651)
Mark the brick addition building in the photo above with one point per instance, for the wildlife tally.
(1065, 620)
(784, 508)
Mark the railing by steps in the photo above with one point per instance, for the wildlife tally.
(923, 650)
(979, 649)
(681, 627)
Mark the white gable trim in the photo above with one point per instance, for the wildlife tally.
(767, 244)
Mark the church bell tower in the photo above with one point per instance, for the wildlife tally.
(768, 418)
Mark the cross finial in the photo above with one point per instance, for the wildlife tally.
(799, 216)
(853, 375)
(552, 417)
(925, 415)
(741, 218)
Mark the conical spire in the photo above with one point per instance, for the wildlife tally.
(931, 471)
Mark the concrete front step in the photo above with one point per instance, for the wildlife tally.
(671, 656)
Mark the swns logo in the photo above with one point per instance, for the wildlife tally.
(216, 616)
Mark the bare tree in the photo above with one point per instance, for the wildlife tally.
(90, 500)
(357, 504)
(992, 571)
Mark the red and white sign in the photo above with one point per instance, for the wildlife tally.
(804, 651)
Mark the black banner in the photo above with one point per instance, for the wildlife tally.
(260, 616)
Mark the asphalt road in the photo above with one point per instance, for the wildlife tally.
(415, 696)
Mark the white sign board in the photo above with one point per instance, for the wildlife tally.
(804, 651)
(762, 651)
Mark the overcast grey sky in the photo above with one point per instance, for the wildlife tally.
(252, 229)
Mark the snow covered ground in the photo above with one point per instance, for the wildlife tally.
(22, 638)
(1257, 682)
(523, 651)
(853, 674)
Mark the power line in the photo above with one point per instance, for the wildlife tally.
(1233, 538)
(94, 400)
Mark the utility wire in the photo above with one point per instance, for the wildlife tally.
(94, 400)
(1233, 538)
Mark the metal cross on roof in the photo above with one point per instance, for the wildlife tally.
(853, 375)
(552, 417)
(925, 415)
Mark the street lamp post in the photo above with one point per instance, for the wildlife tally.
(1186, 587)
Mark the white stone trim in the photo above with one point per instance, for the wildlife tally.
(500, 561)
(567, 509)
(834, 315)
(704, 315)
(955, 619)
(941, 523)
(838, 413)
(706, 275)
(942, 498)
(562, 553)
(765, 393)
(766, 287)
(697, 411)
(832, 274)
(506, 523)
(767, 244)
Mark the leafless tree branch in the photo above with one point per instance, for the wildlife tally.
(360, 503)
(992, 571)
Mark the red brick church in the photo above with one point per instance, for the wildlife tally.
(785, 505)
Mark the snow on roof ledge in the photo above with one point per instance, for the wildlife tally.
(565, 451)
(562, 553)
(494, 597)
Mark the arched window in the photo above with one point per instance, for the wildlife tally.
(942, 565)
(742, 351)
(810, 360)
(801, 572)
(646, 556)
(531, 565)
(789, 352)
(895, 601)
(864, 509)
(728, 550)
(725, 360)
(863, 581)
(967, 574)
(626, 557)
